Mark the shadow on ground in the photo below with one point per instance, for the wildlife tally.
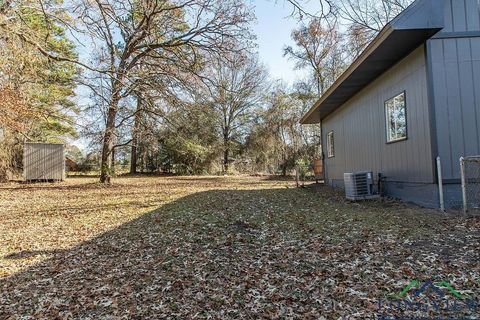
(242, 254)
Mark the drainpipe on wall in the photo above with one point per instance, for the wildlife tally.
(440, 184)
(464, 188)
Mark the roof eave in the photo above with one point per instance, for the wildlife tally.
(386, 31)
(419, 22)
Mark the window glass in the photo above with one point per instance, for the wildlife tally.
(330, 145)
(396, 118)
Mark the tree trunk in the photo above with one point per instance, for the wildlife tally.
(106, 169)
(112, 163)
(225, 159)
(226, 152)
(144, 159)
(284, 165)
(134, 157)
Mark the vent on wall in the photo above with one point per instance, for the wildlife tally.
(359, 186)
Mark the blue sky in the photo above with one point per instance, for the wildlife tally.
(273, 29)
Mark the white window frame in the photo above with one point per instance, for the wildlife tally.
(330, 144)
(390, 106)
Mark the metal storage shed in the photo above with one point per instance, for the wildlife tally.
(44, 161)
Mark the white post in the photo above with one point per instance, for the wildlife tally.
(464, 188)
(440, 184)
(297, 176)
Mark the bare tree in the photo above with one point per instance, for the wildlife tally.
(278, 139)
(319, 49)
(365, 18)
(326, 45)
(283, 120)
(134, 40)
(300, 10)
(236, 89)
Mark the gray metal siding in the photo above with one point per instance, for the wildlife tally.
(461, 16)
(360, 133)
(43, 161)
(456, 93)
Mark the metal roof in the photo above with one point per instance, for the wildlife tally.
(411, 28)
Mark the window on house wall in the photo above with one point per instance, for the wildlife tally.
(330, 145)
(396, 118)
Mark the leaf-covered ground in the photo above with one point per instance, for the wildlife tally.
(225, 248)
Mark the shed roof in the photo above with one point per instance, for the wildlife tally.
(412, 27)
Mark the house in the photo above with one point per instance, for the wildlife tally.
(412, 95)
(70, 164)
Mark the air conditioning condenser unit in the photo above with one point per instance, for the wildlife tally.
(360, 186)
